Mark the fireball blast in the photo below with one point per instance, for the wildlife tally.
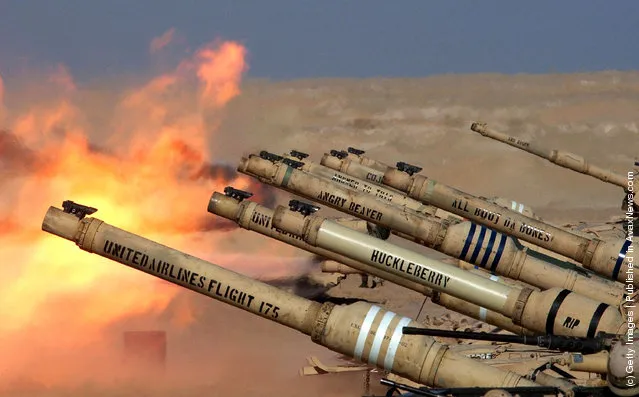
(558, 157)
(553, 311)
(252, 216)
(465, 240)
(607, 258)
(363, 331)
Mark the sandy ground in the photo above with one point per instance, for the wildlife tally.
(420, 121)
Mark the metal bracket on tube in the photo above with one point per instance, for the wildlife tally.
(302, 207)
(357, 152)
(292, 163)
(270, 156)
(298, 155)
(76, 209)
(340, 154)
(237, 194)
(408, 168)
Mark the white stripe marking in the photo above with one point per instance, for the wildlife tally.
(364, 330)
(513, 206)
(482, 314)
(394, 343)
(521, 208)
(482, 310)
(379, 337)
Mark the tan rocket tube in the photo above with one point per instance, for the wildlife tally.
(467, 241)
(331, 266)
(364, 162)
(252, 216)
(596, 363)
(606, 258)
(367, 161)
(554, 311)
(383, 193)
(363, 331)
(558, 157)
(353, 169)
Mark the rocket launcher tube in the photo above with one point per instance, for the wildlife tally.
(606, 258)
(353, 169)
(558, 157)
(466, 241)
(383, 193)
(363, 331)
(554, 311)
(358, 156)
(345, 166)
(332, 266)
(257, 218)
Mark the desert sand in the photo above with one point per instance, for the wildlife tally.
(224, 351)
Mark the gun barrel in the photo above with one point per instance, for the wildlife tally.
(607, 259)
(363, 331)
(469, 335)
(383, 193)
(552, 342)
(358, 157)
(603, 257)
(352, 168)
(257, 218)
(465, 240)
(551, 311)
(558, 157)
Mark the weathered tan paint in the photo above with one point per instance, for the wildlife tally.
(594, 254)
(383, 193)
(331, 266)
(599, 256)
(553, 311)
(462, 240)
(367, 161)
(352, 168)
(596, 363)
(362, 167)
(548, 380)
(257, 218)
(558, 157)
(359, 330)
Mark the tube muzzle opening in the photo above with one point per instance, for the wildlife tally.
(60, 223)
(223, 205)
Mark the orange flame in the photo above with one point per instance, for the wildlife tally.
(151, 177)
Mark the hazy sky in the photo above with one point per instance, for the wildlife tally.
(293, 39)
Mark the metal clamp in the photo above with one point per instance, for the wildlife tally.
(298, 155)
(292, 163)
(590, 251)
(270, 156)
(76, 209)
(305, 209)
(408, 168)
(520, 305)
(357, 152)
(340, 154)
(237, 194)
(441, 233)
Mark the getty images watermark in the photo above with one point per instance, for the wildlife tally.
(630, 305)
